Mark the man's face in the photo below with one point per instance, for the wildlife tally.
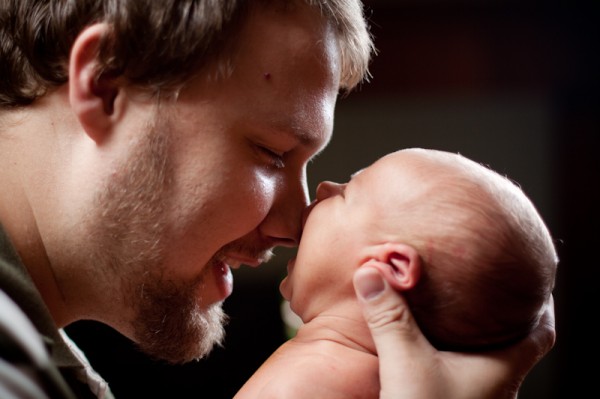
(220, 181)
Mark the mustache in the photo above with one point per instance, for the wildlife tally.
(253, 250)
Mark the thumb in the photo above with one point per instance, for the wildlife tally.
(384, 309)
(398, 340)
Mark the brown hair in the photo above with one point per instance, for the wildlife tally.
(153, 44)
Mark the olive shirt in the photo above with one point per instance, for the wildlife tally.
(37, 360)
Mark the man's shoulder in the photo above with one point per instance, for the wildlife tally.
(25, 364)
(18, 335)
(22, 352)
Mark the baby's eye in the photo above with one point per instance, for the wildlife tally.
(275, 158)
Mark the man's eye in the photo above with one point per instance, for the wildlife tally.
(275, 158)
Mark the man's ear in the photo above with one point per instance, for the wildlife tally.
(399, 263)
(92, 94)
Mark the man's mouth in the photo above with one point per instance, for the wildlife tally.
(223, 278)
(235, 261)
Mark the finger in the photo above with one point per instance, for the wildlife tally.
(539, 342)
(400, 345)
(545, 334)
(385, 310)
(502, 372)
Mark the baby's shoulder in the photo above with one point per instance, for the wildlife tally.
(326, 374)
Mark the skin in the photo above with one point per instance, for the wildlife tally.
(438, 374)
(184, 229)
(334, 349)
(359, 208)
(334, 354)
(61, 153)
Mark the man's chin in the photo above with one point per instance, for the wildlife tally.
(185, 336)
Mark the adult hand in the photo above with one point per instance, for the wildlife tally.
(410, 367)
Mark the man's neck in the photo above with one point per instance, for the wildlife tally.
(26, 173)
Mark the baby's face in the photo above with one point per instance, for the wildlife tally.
(342, 221)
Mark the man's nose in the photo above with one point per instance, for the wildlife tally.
(283, 224)
(328, 189)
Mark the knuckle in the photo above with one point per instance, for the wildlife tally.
(385, 317)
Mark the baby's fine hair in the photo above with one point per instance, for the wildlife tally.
(489, 262)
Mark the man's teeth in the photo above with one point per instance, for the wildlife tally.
(233, 265)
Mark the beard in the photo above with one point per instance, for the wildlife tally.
(129, 229)
(170, 324)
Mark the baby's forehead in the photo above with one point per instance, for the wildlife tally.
(358, 172)
(421, 170)
(420, 161)
(411, 162)
(389, 168)
(397, 176)
(428, 172)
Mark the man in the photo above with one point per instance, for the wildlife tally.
(148, 147)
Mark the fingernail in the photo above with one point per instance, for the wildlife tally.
(369, 284)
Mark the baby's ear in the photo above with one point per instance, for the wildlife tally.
(400, 264)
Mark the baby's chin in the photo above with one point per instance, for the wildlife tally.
(285, 287)
(285, 290)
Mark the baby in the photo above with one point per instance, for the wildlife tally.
(464, 245)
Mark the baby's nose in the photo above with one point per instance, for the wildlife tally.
(327, 189)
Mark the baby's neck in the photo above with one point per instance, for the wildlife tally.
(348, 331)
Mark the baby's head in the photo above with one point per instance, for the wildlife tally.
(465, 246)
(488, 260)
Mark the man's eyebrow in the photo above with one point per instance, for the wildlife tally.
(306, 138)
(315, 140)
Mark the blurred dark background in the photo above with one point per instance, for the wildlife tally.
(512, 84)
